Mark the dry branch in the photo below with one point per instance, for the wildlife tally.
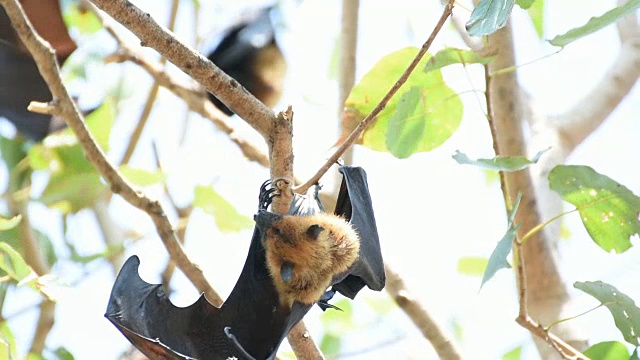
(442, 344)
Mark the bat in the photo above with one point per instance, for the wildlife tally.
(248, 52)
(21, 81)
(258, 314)
(304, 253)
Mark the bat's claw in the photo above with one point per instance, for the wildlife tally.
(267, 193)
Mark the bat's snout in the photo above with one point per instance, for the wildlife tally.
(264, 219)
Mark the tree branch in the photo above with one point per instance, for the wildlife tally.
(590, 112)
(381, 105)
(193, 96)
(443, 345)
(564, 132)
(201, 69)
(541, 289)
(66, 108)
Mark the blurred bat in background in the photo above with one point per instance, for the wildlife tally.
(257, 316)
(248, 52)
(20, 80)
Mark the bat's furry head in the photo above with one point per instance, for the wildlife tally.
(303, 253)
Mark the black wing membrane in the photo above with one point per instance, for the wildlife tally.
(354, 204)
(250, 324)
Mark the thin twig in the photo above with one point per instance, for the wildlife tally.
(66, 108)
(381, 105)
(151, 97)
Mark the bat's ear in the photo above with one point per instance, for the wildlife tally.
(314, 231)
(264, 219)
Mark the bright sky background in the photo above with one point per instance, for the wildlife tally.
(430, 210)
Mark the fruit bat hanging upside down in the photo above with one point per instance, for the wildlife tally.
(294, 261)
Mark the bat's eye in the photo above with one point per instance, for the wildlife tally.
(314, 231)
(277, 232)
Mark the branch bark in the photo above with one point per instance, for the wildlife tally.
(442, 344)
(543, 294)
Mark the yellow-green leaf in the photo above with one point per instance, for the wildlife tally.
(226, 217)
(142, 177)
(472, 265)
(423, 114)
(14, 265)
(6, 224)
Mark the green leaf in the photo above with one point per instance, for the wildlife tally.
(499, 163)
(330, 345)
(14, 265)
(489, 16)
(607, 350)
(63, 354)
(420, 117)
(525, 4)
(99, 122)
(498, 258)
(12, 238)
(336, 322)
(625, 313)
(6, 224)
(472, 265)
(142, 177)
(381, 305)
(85, 21)
(450, 56)
(12, 151)
(7, 342)
(226, 217)
(515, 354)
(608, 210)
(536, 13)
(74, 183)
(596, 23)
(74, 191)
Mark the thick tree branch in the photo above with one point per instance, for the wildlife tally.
(66, 108)
(542, 290)
(381, 105)
(592, 110)
(201, 69)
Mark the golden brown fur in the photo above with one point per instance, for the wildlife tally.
(315, 260)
